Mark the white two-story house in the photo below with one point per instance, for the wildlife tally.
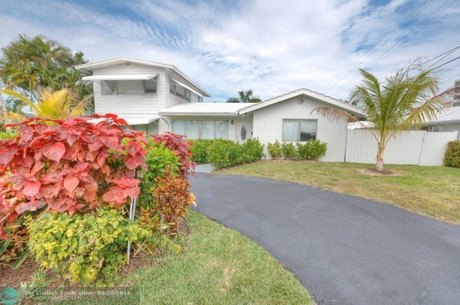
(155, 97)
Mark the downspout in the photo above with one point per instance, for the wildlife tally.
(167, 123)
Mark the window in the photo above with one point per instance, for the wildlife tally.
(108, 87)
(150, 86)
(221, 130)
(201, 129)
(299, 130)
(128, 87)
(207, 129)
(179, 91)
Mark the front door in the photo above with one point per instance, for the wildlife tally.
(243, 131)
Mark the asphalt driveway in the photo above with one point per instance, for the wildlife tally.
(344, 249)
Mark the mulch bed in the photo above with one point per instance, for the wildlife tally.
(13, 278)
(374, 172)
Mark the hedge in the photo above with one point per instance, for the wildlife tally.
(310, 150)
(226, 153)
(452, 155)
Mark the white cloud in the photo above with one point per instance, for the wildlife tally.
(269, 46)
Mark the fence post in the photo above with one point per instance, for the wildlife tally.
(421, 148)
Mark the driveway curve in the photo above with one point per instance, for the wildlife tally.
(344, 249)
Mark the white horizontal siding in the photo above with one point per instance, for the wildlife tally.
(131, 104)
(174, 99)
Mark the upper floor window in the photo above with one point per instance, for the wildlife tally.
(180, 91)
(299, 130)
(128, 87)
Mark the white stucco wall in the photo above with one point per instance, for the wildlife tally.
(268, 125)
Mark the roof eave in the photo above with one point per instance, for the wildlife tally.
(210, 114)
(447, 122)
(89, 67)
(296, 93)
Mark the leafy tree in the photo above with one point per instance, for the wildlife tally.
(31, 65)
(404, 101)
(245, 96)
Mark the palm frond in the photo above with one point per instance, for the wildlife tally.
(19, 96)
(335, 114)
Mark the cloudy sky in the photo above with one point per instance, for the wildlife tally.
(270, 46)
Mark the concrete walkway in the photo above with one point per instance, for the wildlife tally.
(344, 249)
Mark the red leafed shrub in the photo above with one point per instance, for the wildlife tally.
(70, 165)
(181, 148)
(173, 197)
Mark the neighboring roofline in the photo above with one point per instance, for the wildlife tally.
(446, 122)
(210, 114)
(303, 91)
(109, 62)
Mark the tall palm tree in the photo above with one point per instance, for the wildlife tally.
(59, 104)
(403, 102)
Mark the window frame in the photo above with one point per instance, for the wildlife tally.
(173, 89)
(115, 90)
(298, 133)
(200, 128)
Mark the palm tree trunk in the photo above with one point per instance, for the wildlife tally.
(379, 162)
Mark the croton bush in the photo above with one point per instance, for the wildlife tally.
(71, 165)
(74, 170)
(181, 148)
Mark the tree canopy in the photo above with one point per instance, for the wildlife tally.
(244, 96)
(31, 65)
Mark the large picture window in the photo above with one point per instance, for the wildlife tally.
(201, 129)
(299, 130)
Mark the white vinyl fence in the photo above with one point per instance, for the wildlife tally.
(411, 147)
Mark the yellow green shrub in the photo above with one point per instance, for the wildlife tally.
(84, 248)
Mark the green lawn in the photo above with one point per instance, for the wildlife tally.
(218, 266)
(433, 191)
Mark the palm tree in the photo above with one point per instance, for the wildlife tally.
(245, 96)
(33, 64)
(60, 104)
(404, 101)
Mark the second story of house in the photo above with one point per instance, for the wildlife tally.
(138, 89)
